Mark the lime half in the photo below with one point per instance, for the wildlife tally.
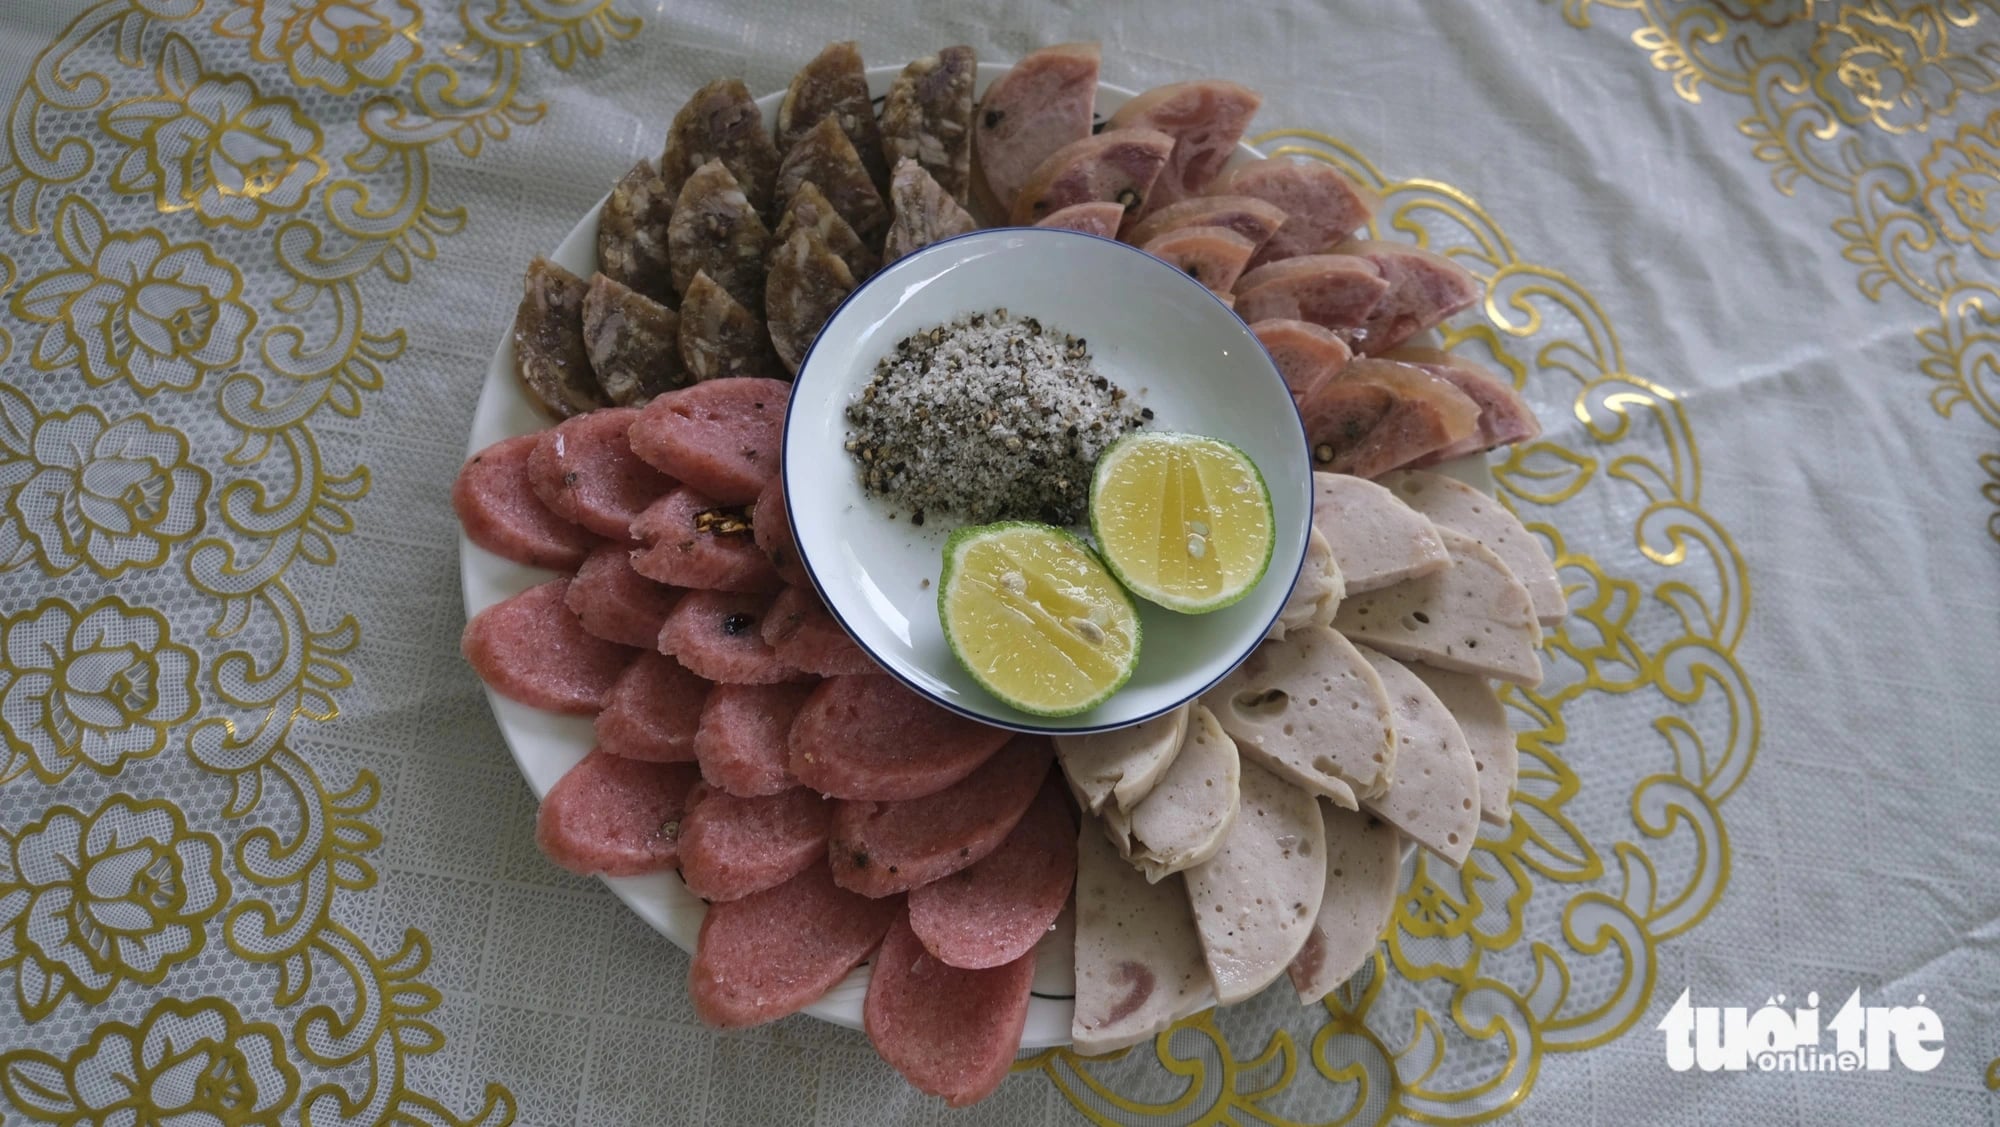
(1182, 520)
(1034, 617)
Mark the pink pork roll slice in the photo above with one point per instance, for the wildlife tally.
(718, 635)
(1306, 354)
(868, 737)
(1205, 117)
(1424, 289)
(1321, 206)
(531, 648)
(1213, 256)
(732, 847)
(618, 817)
(1334, 291)
(805, 634)
(771, 527)
(694, 542)
(741, 739)
(882, 848)
(997, 910)
(496, 505)
(1377, 415)
(585, 470)
(616, 603)
(721, 436)
(774, 952)
(951, 1033)
(1504, 417)
(1119, 166)
(653, 712)
(1248, 216)
(1095, 217)
(1042, 103)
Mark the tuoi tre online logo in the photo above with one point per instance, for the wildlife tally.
(1771, 1039)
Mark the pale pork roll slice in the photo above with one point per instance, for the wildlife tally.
(1255, 902)
(1310, 709)
(1139, 966)
(1317, 592)
(1377, 540)
(1480, 715)
(1186, 817)
(1472, 617)
(1364, 868)
(1450, 503)
(1120, 768)
(1434, 797)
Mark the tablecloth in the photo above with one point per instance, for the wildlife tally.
(264, 859)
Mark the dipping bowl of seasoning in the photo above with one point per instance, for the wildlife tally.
(977, 380)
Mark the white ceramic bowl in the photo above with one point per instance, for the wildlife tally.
(1151, 330)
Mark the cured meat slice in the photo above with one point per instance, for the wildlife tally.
(1434, 798)
(1472, 617)
(1139, 966)
(1333, 291)
(1213, 256)
(496, 505)
(721, 338)
(616, 603)
(995, 911)
(805, 635)
(1424, 289)
(715, 231)
(1363, 865)
(1119, 166)
(1450, 503)
(923, 212)
(652, 712)
(773, 953)
(1321, 206)
(827, 158)
(722, 122)
(808, 282)
(741, 738)
(1248, 216)
(1093, 217)
(1117, 769)
(1377, 415)
(1186, 818)
(694, 542)
(1205, 117)
(1316, 593)
(868, 737)
(549, 357)
(1045, 102)
(1310, 710)
(732, 847)
(1480, 715)
(882, 848)
(950, 1032)
(715, 634)
(585, 470)
(834, 85)
(1504, 417)
(927, 118)
(618, 817)
(1306, 354)
(1255, 901)
(1376, 539)
(632, 234)
(809, 208)
(634, 342)
(530, 648)
(721, 437)
(771, 524)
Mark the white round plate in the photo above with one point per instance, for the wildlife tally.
(1151, 330)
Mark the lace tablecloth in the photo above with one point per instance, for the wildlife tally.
(263, 858)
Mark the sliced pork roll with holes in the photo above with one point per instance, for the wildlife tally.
(1309, 708)
(1119, 768)
(1377, 540)
(1450, 503)
(1472, 617)
(1434, 797)
(1364, 864)
(1139, 966)
(1182, 821)
(1256, 900)
(1483, 719)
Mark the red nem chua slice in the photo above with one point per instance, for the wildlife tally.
(721, 338)
(1321, 206)
(1377, 415)
(616, 603)
(775, 952)
(496, 505)
(732, 847)
(1504, 417)
(771, 525)
(923, 212)
(717, 634)
(740, 740)
(1377, 540)
(1306, 354)
(1434, 797)
(1095, 217)
(549, 357)
(1205, 117)
(618, 817)
(834, 85)
(721, 437)
(1248, 216)
(1044, 102)
(997, 910)
(951, 1033)
(1364, 864)
(1424, 289)
(868, 737)
(585, 469)
(805, 635)
(1213, 256)
(882, 848)
(1472, 617)
(1139, 966)
(693, 542)
(1117, 165)
(653, 712)
(531, 648)
(722, 122)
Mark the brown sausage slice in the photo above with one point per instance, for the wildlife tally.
(1321, 206)
(774, 952)
(732, 847)
(868, 737)
(1504, 417)
(826, 157)
(722, 122)
(618, 817)
(531, 648)
(1206, 118)
(998, 909)
(834, 85)
(1213, 256)
(1306, 354)
(1333, 291)
(809, 207)
(1424, 289)
(721, 338)
(715, 231)
(808, 282)
(495, 500)
(927, 118)
(923, 212)
(634, 342)
(1096, 217)
(632, 233)
(1119, 166)
(882, 848)
(1246, 215)
(549, 356)
(1377, 415)
(1045, 102)
(951, 1033)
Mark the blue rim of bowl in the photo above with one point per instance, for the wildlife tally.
(819, 588)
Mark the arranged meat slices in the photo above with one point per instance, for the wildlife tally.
(1434, 797)
(868, 737)
(585, 470)
(716, 231)
(722, 122)
(653, 712)
(496, 504)
(618, 817)
(825, 156)
(804, 635)
(1472, 617)
(809, 208)
(1118, 166)
(1504, 417)
(721, 437)
(1309, 709)
(632, 235)
(1248, 216)
(1376, 539)
(1213, 256)
(1334, 291)
(634, 342)
(721, 338)
(549, 357)
(1321, 206)
(1363, 864)
(1119, 768)
(951, 1032)
(927, 118)
(771, 524)
(740, 740)
(1206, 118)
(1046, 101)
(732, 847)
(1184, 820)
(995, 910)
(1450, 503)
(1255, 901)
(1306, 354)
(923, 212)
(1096, 217)
(882, 848)
(1377, 415)
(1316, 593)
(531, 648)
(716, 634)
(834, 87)
(693, 542)
(1139, 966)
(1483, 719)
(808, 282)
(1424, 289)
(772, 953)
(615, 602)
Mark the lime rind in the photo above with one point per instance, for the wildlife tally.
(1107, 460)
